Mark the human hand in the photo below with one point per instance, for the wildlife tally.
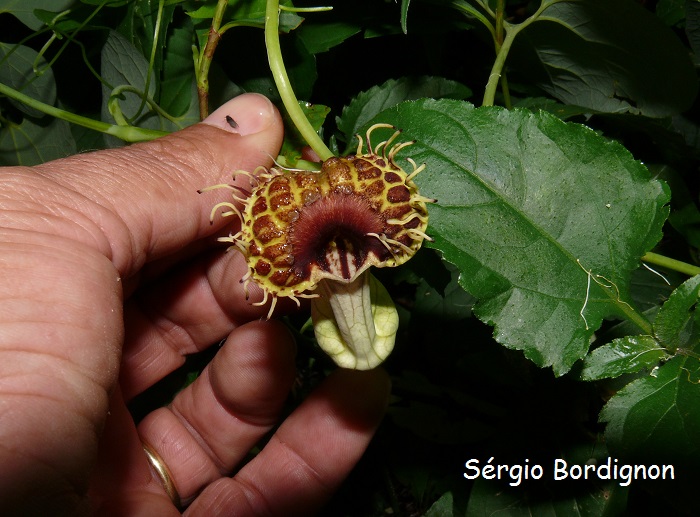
(109, 276)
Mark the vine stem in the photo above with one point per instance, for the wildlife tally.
(151, 60)
(126, 133)
(70, 38)
(637, 318)
(279, 74)
(205, 59)
(497, 69)
(471, 11)
(672, 264)
(500, 13)
(115, 110)
(668, 263)
(511, 31)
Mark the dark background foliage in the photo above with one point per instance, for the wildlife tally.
(475, 375)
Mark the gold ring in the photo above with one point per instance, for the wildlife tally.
(163, 472)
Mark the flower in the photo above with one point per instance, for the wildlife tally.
(315, 234)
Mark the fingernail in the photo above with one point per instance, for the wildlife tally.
(246, 114)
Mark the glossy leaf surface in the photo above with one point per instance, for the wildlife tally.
(608, 55)
(545, 220)
(624, 355)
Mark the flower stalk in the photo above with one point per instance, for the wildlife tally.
(284, 86)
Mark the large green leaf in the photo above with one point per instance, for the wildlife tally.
(610, 56)
(17, 64)
(545, 219)
(178, 71)
(123, 66)
(32, 142)
(34, 139)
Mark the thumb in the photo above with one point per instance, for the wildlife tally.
(143, 198)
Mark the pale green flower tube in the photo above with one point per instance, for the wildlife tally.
(355, 323)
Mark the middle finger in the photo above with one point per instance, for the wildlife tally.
(213, 423)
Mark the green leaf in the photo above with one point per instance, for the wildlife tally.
(61, 24)
(368, 104)
(563, 111)
(139, 28)
(649, 289)
(124, 66)
(86, 139)
(293, 141)
(442, 507)
(658, 418)
(685, 216)
(674, 326)
(686, 221)
(250, 13)
(302, 73)
(453, 303)
(246, 14)
(24, 9)
(671, 12)
(692, 27)
(425, 266)
(546, 220)
(178, 71)
(17, 71)
(31, 142)
(629, 354)
(321, 37)
(176, 92)
(35, 139)
(404, 15)
(609, 56)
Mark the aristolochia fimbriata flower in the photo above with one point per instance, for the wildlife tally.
(315, 234)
